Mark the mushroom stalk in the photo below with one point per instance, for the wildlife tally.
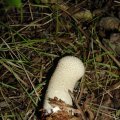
(68, 71)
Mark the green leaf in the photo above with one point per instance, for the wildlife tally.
(14, 3)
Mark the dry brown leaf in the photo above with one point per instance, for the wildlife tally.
(62, 115)
(66, 113)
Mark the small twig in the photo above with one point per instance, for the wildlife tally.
(112, 57)
(30, 9)
(117, 1)
(77, 105)
(114, 87)
(99, 108)
(80, 92)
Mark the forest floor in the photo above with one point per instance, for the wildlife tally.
(33, 37)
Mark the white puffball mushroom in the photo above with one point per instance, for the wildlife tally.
(68, 71)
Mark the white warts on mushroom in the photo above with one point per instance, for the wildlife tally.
(68, 71)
